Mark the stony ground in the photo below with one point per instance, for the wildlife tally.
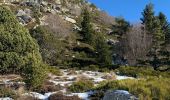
(63, 81)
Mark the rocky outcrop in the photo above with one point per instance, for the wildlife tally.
(119, 95)
(24, 16)
(70, 20)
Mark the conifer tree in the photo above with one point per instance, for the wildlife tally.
(153, 26)
(121, 27)
(19, 52)
(165, 27)
(148, 18)
(104, 56)
(164, 53)
(87, 31)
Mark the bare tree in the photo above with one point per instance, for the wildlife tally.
(138, 44)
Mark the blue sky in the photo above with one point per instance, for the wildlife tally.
(131, 9)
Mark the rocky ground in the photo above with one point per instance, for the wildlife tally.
(62, 82)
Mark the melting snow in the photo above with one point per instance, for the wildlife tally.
(7, 98)
(123, 77)
(84, 96)
(67, 79)
(39, 96)
(122, 91)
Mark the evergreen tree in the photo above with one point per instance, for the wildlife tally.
(87, 31)
(19, 52)
(165, 27)
(153, 26)
(121, 27)
(148, 18)
(167, 34)
(104, 56)
(158, 40)
(164, 53)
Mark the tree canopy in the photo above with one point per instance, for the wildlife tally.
(19, 52)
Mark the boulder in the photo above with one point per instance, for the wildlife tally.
(26, 18)
(119, 95)
(70, 20)
(63, 9)
(44, 3)
(20, 12)
(58, 2)
(27, 11)
(76, 28)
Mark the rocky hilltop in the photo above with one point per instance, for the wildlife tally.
(41, 12)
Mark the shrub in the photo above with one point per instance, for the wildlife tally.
(52, 48)
(27, 98)
(19, 52)
(49, 87)
(54, 70)
(140, 72)
(7, 92)
(92, 68)
(145, 89)
(81, 86)
(60, 96)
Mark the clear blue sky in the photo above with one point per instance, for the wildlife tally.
(131, 9)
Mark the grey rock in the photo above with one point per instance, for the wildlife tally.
(119, 60)
(119, 95)
(21, 21)
(26, 18)
(20, 13)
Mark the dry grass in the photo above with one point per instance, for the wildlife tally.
(59, 96)
(10, 77)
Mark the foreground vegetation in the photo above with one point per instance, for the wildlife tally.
(141, 72)
(32, 54)
(144, 89)
(81, 86)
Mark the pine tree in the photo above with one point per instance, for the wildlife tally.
(121, 27)
(165, 27)
(164, 53)
(148, 18)
(153, 26)
(19, 52)
(104, 56)
(87, 31)
(167, 35)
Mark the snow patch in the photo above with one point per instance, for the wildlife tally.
(123, 77)
(6, 98)
(84, 96)
(38, 95)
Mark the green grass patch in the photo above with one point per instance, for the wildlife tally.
(141, 72)
(7, 92)
(144, 89)
(54, 70)
(81, 86)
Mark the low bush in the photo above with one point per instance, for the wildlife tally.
(54, 70)
(91, 67)
(144, 89)
(81, 86)
(27, 98)
(19, 52)
(60, 96)
(140, 72)
(7, 92)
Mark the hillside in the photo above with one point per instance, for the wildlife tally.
(71, 50)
